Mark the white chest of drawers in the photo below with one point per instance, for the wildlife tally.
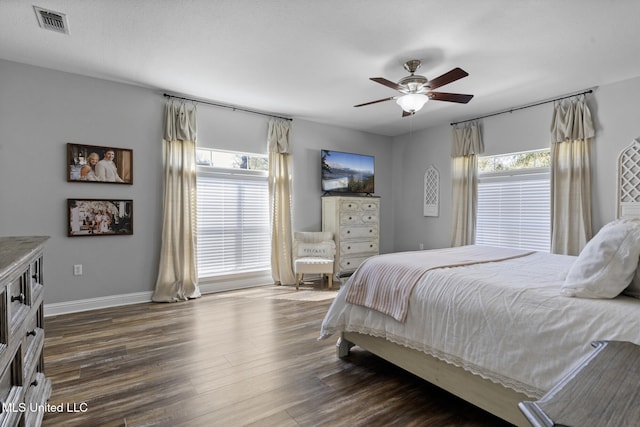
(24, 389)
(355, 223)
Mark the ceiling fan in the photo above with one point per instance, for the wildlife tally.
(417, 90)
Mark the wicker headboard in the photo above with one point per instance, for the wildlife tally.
(629, 181)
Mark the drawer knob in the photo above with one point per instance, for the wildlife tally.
(369, 217)
(350, 217)
(348, 231)
(33, 333)
(34, 383)
(348, 247)
(370, 246)
(34, 276)
(18, 298)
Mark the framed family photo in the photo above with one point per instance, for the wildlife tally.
(99, 217)
(92, 163)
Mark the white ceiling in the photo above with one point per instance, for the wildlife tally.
(312, 59)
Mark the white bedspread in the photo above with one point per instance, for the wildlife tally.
(385, 282)
(505, 321)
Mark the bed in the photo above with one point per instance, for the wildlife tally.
(491, 326)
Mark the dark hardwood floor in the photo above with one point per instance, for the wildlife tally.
(242, 358)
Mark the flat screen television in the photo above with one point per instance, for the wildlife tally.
(347, 172)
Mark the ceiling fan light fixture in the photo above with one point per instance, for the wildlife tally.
(412, 102)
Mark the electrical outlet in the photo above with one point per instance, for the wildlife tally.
(77, 270)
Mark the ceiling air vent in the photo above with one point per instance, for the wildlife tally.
(50, 20)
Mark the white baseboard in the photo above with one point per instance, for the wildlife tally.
(67, 307)
(209, 287)
(232, 282)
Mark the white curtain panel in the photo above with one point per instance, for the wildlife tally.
(177, 274)
(571, 134)
(280, 201)
(467, 144)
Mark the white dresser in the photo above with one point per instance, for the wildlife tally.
(355, 223)
(24, 389)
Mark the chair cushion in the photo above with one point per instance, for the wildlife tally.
(313, 265)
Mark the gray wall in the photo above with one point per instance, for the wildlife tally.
(615, 114)
(309, 138)
(41, 110)
(241, 131)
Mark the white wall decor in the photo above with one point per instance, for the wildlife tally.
(629, 181)
(431, 191)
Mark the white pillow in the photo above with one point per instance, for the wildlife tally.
(607, 264)
(633, 289)
(320, 250)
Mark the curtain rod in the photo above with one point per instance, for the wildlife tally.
(226, 106)
(523, 107)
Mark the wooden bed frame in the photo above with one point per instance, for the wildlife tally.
(494, 398)
(485, 394)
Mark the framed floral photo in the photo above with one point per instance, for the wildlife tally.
(92, 163)
(99, 217)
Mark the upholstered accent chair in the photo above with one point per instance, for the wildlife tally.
(313, 253)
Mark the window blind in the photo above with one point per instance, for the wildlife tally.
(233, 224)
(514, 211)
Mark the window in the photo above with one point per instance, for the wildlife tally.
(233, 213)
(514, 201)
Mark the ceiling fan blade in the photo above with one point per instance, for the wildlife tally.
(375, 102)
(386, 82)
(450, 97)
(446, 78)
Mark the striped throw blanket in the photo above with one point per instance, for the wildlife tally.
(384, 282)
